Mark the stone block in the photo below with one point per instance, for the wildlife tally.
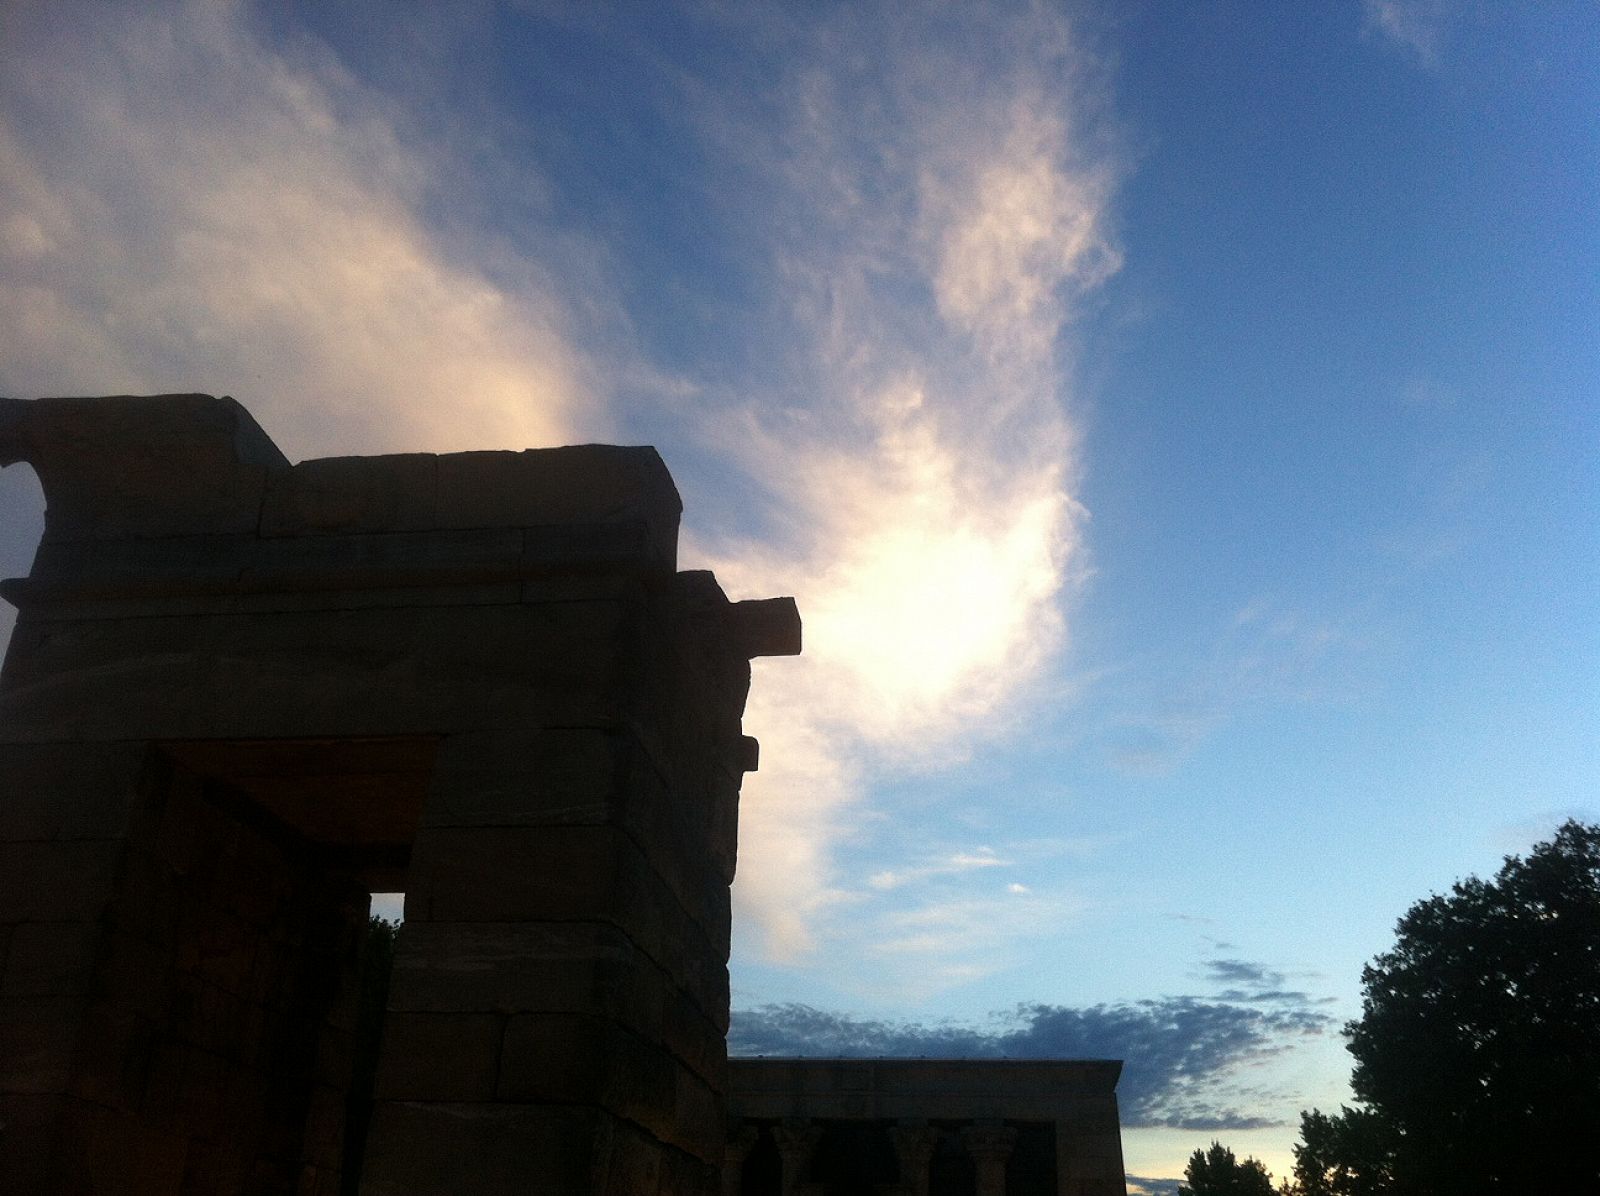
(38, 1036)
(629, 1161)
(399, 672)
(565, 874)
(764, 627)
(165, 1067)
(582, 777)
(695, 1036)
(520, 777)
(68, 790)
(699, 1117)
(574, 485)
(323, 673)
(384, 561)
(685, 1175)
(58, 881)
(141, 466)
(50, 959)
(531, 874)
(147, 903)
(351, 494)
(567, 968)
(121, 1156)
(324, 1130)
(132, 679)
(319, 1181)
(28, 1144)
(440, 1056)
(573, 558)
(585, 1060)
(203, 1107)
(488, 1150)
(510, 967)
(113, 1055)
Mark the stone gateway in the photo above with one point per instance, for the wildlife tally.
(243, 695)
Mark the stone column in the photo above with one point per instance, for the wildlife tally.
(990, 1145)
(797, 1138)
(741, 1141)
(914, 1144)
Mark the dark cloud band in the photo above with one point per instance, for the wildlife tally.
(1180, 1053)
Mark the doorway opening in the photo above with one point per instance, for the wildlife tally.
(234, 1002)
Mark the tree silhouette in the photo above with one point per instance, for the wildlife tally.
(1216, 1172)
(1350, 1153)
(1478, 1046)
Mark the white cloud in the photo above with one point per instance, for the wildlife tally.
(923, 491)
(953, 864)
(1414, 25)
(186, 207)
(950, 940)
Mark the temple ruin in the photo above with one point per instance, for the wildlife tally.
(923, 1127)
(243, 695)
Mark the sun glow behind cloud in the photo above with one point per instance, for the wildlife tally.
(930, 533)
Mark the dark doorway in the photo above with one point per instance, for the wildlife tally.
(225, 1013)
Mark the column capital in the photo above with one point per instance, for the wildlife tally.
(796, 1138)
(989, 1142)
(914, 1143)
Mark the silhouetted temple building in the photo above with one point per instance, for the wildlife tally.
(923, 1127)
(243, 694)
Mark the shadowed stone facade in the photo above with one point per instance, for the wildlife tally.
(923, 1127)
(242, 695)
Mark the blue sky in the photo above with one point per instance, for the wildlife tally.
(1177, 423)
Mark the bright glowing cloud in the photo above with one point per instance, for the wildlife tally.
(928, 525)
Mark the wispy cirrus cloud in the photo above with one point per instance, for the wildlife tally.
(953, 864)
(940, 216)
(1416, 26)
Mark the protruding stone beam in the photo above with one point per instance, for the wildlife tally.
(990, 1144)
(914, 1144)
(742, 1140)
(797, 1139)
(765, 627)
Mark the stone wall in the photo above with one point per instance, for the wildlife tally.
(923, 1127)
(242, 695)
